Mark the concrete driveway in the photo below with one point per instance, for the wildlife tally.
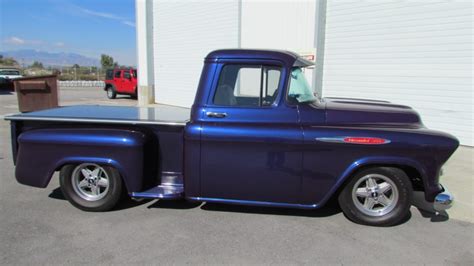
(37, 226)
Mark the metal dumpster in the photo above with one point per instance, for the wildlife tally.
(36, 93)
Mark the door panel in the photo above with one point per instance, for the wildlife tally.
(251, 161)
(250, 144)
(128, 85)
(118, 81)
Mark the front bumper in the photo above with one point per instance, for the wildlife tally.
(443, 200)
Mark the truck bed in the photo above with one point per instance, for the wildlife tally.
(159, 115)
(163, 125)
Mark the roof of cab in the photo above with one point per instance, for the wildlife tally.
(287, 57)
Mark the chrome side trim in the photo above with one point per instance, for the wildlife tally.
(256, 203)
(340, 139)
(92, 120)
(332, 140)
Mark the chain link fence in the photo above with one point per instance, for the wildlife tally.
(81, 83)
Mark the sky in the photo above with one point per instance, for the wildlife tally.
(86, 27)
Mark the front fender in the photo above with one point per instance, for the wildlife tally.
(43, 151)
(374, 160)
(108, 84)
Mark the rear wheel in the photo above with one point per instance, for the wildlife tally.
(91, 187)
(111, 93)
(135, 93)
(379, 196)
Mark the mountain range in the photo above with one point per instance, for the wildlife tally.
(27, 57)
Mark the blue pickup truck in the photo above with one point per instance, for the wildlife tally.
(256, 135)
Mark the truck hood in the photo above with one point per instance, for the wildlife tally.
(351, 111)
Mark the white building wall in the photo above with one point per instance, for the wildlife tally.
(284, 25)
(417, 53)
(287, 25)
(184, 33)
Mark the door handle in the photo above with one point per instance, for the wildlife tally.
(216, 115)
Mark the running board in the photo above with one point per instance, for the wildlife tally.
(160, 192)
(171, 188)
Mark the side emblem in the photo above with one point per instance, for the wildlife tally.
(355, 140)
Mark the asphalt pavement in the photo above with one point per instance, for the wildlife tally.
(38, 226)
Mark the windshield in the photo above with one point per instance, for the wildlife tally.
(10, 72)
(300, 90)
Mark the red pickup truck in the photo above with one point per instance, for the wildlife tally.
(121, 81)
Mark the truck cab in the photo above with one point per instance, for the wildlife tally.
(7, 75)
(248, 124)
(120, 81)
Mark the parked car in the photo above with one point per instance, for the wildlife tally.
(7, 75)
(121, 81)
(255, 135)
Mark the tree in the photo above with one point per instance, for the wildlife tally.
(37, 64)
(107, 61)
(76, 66)
(8, 61)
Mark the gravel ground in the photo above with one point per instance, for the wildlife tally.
(37, 226)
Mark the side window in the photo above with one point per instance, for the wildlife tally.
(244, 85)
(126, 74)
(118, 74)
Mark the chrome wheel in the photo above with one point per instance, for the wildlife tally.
(375, 195)
(90, 181)
(110, 93)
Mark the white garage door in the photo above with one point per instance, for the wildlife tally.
(417, 53)
(184, 32)
(284, 25)
(278, 25)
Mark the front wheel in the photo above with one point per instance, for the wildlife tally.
(91, 187)
(379, 196)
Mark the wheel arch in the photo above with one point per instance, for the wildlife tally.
(411, 168)
(108, 85)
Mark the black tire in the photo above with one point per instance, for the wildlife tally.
(358, 209)
(77, 197)
(111, 92)
(135, 94)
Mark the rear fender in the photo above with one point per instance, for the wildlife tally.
(43, 151)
